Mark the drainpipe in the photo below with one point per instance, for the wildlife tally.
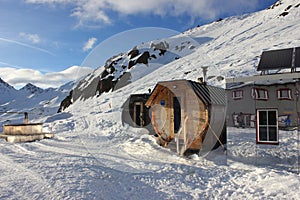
(297, 94)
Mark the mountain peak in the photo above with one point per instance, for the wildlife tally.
(31, 88)
(4, 85)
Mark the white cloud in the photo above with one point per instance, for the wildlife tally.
(89, 44)
(89, 11)
(34, 38)
(20, 77)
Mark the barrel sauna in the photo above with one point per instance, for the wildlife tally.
(188, 116)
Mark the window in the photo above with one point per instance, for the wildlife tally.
(267, 126)
(244, 120)
(237, 94)
(284, 94)
(260, 94)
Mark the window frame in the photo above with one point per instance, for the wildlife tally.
(235, 97)
(279, 93)
(255, 94)
(258, 126)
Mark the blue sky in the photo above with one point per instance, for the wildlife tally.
(53, 35)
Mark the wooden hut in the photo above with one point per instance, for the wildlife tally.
(22, 129)
(188, 116)
(26, 132)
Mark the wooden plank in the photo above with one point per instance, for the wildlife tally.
(27, 138)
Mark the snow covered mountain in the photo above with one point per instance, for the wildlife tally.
(6, 91)
(30, 98)
(5, 87)
(93, 154)
(230, 47)
(127, 67)
(31, 89)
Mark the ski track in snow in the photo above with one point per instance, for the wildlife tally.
(97, 158)
(56, 169)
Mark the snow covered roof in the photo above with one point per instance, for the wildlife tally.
(262, 81)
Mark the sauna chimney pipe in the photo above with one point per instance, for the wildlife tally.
(25, 117)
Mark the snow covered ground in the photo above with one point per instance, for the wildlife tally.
(93, 156)
(242, 147)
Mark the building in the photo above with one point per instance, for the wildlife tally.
(260, 107)
(188, 116)
(25, 132)
(273, 96)
(23, 129)
(134, 111)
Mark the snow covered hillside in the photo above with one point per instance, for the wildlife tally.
(95, 156)
(229, 47)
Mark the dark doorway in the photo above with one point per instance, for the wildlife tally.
(177, 113)
(138, 114)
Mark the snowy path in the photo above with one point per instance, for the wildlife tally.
(63, 168)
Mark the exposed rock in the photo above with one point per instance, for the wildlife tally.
(186, 73)
(105, 85)
(143, 58)
(66, 102)
(131, 64)
(220, 19)
(284, 14)
(133, 53)
(153, 56)
(278, 3)
(123, 81)
(31, 88)
(89, 90)
(104, 74)
(289, 7)
(162, 47)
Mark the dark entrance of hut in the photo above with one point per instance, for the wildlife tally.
(177, 114)
(135, 113)
(138, 114)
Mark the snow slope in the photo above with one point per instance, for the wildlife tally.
(93, 156)
(229, 47)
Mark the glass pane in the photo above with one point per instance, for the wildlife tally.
(284, 94)
(261, 94)
(272, 134)
(263, 134)
(262, 117)
(239, 94)
(272, 118)
(177, 113)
